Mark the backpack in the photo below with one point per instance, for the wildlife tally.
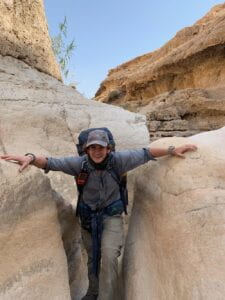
(82, 178)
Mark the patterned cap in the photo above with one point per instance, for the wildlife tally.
(98, 137)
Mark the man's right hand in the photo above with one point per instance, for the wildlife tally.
(23, 161)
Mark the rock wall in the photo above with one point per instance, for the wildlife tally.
(24, 34)
(167, 84)
(175, 246)
(33, 260)
(185, 112)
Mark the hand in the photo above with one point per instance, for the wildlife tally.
(24, 161)
(179, 151)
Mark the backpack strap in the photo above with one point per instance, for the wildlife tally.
(121, 181)
(81, 181)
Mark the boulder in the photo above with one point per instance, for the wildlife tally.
(33, 260)
(175, 245)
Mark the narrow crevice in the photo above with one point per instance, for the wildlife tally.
(3, 146)
(71, 237)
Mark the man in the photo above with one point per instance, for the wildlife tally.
(100, 207)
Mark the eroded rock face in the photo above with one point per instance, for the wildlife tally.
(33, 261)
(180, 86)
(175, 247)
(185, 112)
(41, 115)
(24, 34)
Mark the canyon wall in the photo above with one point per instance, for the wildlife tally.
(175, 245)
(180, 87)
(24, 34)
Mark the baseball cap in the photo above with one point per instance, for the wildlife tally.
(98, 137)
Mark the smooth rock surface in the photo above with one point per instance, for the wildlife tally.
(32, 259)
(175, 246)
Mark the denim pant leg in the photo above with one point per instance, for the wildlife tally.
(112, 242)
(93, 280)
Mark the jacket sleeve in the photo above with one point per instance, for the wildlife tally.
(70, 165)
(131, 159)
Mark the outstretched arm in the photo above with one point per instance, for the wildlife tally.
(175, 151)
(25, 160)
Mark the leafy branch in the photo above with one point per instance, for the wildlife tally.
(63, 52)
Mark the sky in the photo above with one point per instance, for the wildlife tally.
(109, 33)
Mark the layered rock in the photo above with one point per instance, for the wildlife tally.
(175, 246)
(24, 34)
(185, 112)
(189, 66)
(41, 115)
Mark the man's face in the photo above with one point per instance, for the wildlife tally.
(97, 153)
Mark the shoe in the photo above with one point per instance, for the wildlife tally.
(90, 297)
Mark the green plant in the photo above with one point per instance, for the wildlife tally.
(63, 52)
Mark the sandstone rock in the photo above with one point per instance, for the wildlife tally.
(24, 34)
(33, 261)
(179, 87)
(192, 59)
(175, 246)
(185, 112)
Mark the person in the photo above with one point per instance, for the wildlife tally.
(101, 205)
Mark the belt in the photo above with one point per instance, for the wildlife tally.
(92, 221)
